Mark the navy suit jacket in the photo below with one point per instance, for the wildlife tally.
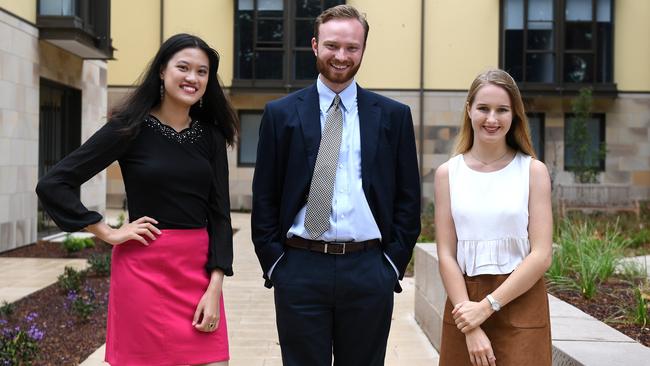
(289, 138)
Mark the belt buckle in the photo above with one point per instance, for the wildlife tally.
(337, 244)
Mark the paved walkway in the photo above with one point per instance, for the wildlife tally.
(251, 316)
(20, 277)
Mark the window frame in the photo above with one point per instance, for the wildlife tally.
(240, 163)
(559, 50)
(288, 82)
(602, 118)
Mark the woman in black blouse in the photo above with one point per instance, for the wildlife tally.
(170, 139)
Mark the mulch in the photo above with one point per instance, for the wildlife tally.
(46, 249)
(612, 304)
(67, 340)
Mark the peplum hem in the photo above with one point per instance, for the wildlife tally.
(496, 256)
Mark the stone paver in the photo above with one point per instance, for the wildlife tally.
(251, 316)
(20, 277)
(643, 262)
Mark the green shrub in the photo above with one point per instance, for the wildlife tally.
(7, 309)
(640, 237)
(641, 308)
(82, 303)
(71, 279)
(72, 244)
(585, 256)
(100, 264)
(428, 232)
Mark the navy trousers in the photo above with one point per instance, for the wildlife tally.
(338, 305)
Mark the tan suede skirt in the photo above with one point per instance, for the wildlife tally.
(520, 333)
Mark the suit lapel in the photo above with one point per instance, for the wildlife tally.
(309, 114)
(369, 124)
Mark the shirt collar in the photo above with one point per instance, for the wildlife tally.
(326, 96)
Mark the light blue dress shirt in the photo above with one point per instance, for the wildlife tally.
(351, 218)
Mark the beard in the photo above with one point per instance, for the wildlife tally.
(333, 76)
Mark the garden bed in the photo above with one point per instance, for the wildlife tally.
(66, 340)
(613, 305)
(47, 249)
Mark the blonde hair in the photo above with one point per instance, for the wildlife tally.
(518, 136)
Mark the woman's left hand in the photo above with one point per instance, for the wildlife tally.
(209, 307)
(469, 314)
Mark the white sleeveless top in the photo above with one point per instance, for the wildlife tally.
(490, 212)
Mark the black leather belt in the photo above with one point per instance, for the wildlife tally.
(331, 247)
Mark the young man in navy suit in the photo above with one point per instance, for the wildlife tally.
(336, 205)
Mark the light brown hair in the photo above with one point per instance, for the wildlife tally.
(518, 136)
(342, 12)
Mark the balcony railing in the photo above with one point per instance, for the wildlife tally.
(81, 27)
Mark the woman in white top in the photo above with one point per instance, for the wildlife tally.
(493, 228)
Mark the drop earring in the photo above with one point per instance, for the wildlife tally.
(201, 103)
(162, 90)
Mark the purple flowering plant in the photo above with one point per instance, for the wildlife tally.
(82, 303)
(19, 346)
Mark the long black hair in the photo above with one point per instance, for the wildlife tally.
(216, 108)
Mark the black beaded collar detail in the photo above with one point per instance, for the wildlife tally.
(186, 136)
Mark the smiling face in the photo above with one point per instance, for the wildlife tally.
(339, 51)
(491, 114)
(185, 77)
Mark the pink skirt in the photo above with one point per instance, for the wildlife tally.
(153, 296)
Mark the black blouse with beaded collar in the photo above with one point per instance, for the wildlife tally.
(179, 179)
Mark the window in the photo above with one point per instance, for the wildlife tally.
(565, 42)
(248, 137)
(81, 27)
(536, 124)
(595, 143)
(273, 42)
(59, 134)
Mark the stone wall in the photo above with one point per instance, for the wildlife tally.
(23, 61)
(19, 95)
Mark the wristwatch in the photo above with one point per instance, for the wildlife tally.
(493, 302)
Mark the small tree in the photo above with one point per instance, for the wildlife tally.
(585, 161)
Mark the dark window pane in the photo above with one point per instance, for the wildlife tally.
(270, 30)
(308, 8)
(578, 10)
(604, 53)
(270, 8)
(268, 65)
(536, 123)
(514, 52)
(305, 65)
(245, 64)
(578, 36)
(330, 3)
(540, 67)
(249, 136)
(244, 44)
(595, 139)
(304, 33)
(578, 68)
(540, 36)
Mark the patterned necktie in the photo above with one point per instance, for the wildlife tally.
(319, 202)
